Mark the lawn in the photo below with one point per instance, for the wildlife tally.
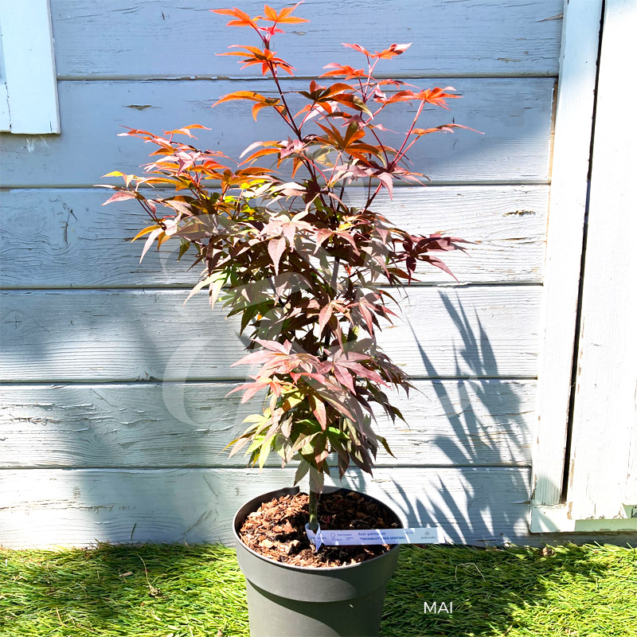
(181, 591)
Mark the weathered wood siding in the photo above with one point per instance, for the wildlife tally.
(129, 335)
(196, 505)
(513, 113)
(94, 445)
(145, 39)
(174, 424)
(73, 242)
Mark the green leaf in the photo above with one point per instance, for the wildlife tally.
(265, 452)
(286, 427)
(183, 248)
(255, 445)
(215, 288)
(255, 418)
(384, 443)
(215, 280)
(301, 471)
(239, 444)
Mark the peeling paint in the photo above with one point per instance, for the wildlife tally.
(558, 16)
(519, 213)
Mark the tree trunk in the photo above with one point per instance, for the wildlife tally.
(314, 499)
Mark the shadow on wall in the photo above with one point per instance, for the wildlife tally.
(146, 463)
(142, 459)
(473, 504)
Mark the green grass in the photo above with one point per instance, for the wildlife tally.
(180, 591)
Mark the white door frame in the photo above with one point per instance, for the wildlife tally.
(565, 237)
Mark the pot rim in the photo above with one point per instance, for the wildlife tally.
(329, 569)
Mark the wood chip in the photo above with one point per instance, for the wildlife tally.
(277, 529)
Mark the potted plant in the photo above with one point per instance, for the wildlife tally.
(308, 273)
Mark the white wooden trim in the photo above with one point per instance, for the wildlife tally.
(605, 410)
(575, 101)
(556, 519)
(5, 120)
(29, 68)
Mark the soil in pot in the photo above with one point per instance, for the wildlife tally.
(277, 529)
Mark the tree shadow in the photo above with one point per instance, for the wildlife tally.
(160, 470)
(474, 503)
(490, 592)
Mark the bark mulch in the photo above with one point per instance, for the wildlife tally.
(277, 529)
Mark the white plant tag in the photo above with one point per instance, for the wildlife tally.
(427, 535)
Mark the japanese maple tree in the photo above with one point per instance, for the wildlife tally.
(307, 273)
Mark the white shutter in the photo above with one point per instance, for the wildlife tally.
(28, 84)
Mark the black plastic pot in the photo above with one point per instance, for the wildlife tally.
(292, 601)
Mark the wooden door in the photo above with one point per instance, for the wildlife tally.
(603, 456)
(600, 452)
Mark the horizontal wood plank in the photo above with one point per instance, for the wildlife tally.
(65, 238)
(51, 507)
(513, 114)
(179, 38)
(481, 422)
(149, 334)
